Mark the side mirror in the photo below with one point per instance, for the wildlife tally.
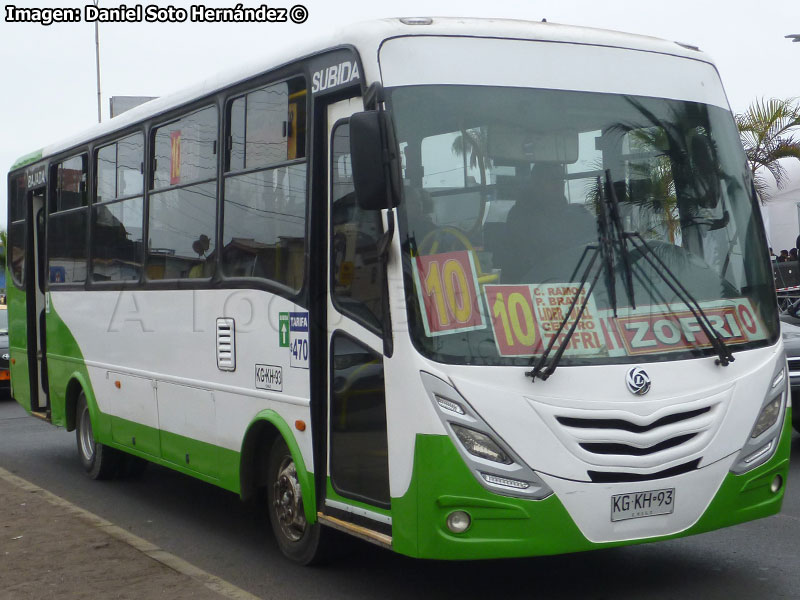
(374, 159)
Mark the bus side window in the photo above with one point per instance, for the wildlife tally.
(357, 274)
(183, 203)
(265, 209)
(16, 230)
(67, 222)
(117, 212)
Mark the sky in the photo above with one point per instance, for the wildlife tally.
(49, 80)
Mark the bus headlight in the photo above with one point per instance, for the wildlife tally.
(764, 437)
(480, 445)
(492, 462)
(769, 415)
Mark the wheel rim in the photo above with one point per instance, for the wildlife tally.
(288, 501)
(86, 437)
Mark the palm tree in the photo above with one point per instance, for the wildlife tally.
(767, 129)
(471, 145)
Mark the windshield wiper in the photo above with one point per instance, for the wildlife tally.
(541, 369)
(725, 357)
(605, 225)
(609, 220)
(620, 239)
(724, 354)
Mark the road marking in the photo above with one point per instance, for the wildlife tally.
(222, 587)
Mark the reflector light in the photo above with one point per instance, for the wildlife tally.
(779, 379)
(759, 453)
(505, 481)
(449, 405)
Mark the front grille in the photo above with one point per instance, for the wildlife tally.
(628, 450)
(794, 364)
(618, 477)
(627, 426)
(643, 439)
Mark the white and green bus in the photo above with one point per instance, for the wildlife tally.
(462, 288)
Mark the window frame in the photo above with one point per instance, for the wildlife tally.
(52, 195)
(150, 191)
(239, 281)
(13, 189)
(382, 322)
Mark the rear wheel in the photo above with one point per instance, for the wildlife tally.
(298, 540)
(99, 461)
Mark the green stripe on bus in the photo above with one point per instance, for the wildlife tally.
(505, 527)
(28, 159)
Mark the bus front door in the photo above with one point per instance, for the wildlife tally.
(35, 300)
(358, 465)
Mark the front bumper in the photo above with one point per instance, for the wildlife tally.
(504, 527)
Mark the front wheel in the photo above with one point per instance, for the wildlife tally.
(298, 540)
(99, 461)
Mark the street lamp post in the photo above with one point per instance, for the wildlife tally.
(97, 60)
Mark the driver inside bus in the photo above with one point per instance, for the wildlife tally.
(544, 235)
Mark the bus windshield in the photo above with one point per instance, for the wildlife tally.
(505, 199)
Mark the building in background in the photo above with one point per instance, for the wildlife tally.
(782, 210)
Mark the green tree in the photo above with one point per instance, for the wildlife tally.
(4, 244)
(768, 130)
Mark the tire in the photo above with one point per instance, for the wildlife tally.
(299, 541)
(99, 461)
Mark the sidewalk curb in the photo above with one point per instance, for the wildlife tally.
(214, 583)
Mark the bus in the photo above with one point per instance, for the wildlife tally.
(462, 288)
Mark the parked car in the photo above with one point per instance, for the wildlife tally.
(790, 330)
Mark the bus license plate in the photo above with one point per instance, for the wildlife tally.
(642, 504)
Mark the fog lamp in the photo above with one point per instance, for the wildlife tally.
(458, 521)
(777, 484)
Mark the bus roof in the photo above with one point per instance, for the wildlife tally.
(367, 37)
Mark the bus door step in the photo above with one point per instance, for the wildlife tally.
(381, 539)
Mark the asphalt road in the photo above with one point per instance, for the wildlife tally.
(213, 530)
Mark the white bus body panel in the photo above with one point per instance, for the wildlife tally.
(166, 339)
(560, 66)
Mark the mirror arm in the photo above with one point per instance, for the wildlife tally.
(373, 96)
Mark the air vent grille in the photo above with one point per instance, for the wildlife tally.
(226, 344)
(794, 364)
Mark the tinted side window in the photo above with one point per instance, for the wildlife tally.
(67, 222)
(16, 229)
(268, 126)
(181, 236)
(265, 225)
(71, 189)
(16, 199)
(117, 214)
(357, 272)
(117, 240)
(265, 210)
(359, 448)
(185, 150)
